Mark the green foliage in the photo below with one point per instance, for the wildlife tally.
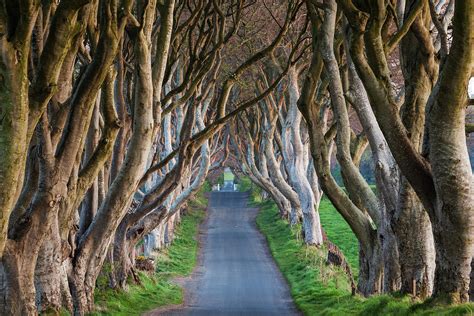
(366, 168)
(206, 187)
(176, 261)
(220, 179)
(318, 289)
(245, 184)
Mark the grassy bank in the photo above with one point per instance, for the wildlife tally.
(339, 232)
(158, 290)
(318, 289)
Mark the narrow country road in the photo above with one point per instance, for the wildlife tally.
(237, 275)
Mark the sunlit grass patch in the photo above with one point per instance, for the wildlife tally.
(319, 289)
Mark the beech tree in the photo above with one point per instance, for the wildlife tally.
(81, 145)
(114, 112)
(371, 40)
(391, 259)
(441, 175)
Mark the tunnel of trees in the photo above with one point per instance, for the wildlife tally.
(113, 113)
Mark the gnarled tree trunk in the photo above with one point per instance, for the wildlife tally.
(296, 159)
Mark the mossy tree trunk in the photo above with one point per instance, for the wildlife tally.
(444, 181)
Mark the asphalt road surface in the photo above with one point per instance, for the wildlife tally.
(236, 275)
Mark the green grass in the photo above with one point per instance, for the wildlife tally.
(154, 291)
(228, 176)
(339, 232)
(318, 289)
(158, 289)
(180, 258)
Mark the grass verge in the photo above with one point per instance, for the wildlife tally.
(158, 289)
(318, 289)
(339, 232)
